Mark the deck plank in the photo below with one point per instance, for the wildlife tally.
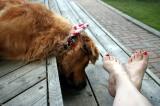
(35, 96)
(99, 78)
(41, 102)
(54, 89)
(8, 66)
(37, 1)
(19, 80)
(85, 97)
(79, 98)
(53, 6)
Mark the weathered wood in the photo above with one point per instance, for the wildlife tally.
(42, 101)
(151, 90)
(53, 6)
(35, 96)
(20, 80)
(84, 97)
(9, 66)
(99, 80)
(37, 1)
(65, 12)
(54, 89)
(79, 98)
(46, 3)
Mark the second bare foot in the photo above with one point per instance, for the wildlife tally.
(136, 67)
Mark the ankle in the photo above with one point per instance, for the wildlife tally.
(123, 82)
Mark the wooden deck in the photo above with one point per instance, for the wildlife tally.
(37, 83)
(30, 84)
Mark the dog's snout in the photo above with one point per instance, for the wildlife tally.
(69, 83)
(81, 85)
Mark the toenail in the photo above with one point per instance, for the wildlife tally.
(145, 53)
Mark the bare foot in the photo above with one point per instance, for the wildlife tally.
(116, 71)
(136, 67)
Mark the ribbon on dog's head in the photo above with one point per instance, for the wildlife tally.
(77, 29)
(74, 33)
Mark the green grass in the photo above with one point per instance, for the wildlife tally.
(146, 11)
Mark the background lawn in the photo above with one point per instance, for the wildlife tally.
(146, 11)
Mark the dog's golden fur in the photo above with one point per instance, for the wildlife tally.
(6, 3)
(30, 31)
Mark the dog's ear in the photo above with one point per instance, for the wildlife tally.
(90, 49)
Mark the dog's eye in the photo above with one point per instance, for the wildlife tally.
(65, 46)
(85, 48)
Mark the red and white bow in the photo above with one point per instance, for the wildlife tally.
(77, 29)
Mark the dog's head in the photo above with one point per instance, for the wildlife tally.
(72, 63)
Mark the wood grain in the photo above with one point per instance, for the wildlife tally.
(54, 89)
(35, 96)
(20, 80)
(9, 66)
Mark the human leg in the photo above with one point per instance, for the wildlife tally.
(126, 92)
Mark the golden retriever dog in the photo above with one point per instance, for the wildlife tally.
(29, 31)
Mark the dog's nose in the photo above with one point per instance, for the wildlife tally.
(81, 85)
